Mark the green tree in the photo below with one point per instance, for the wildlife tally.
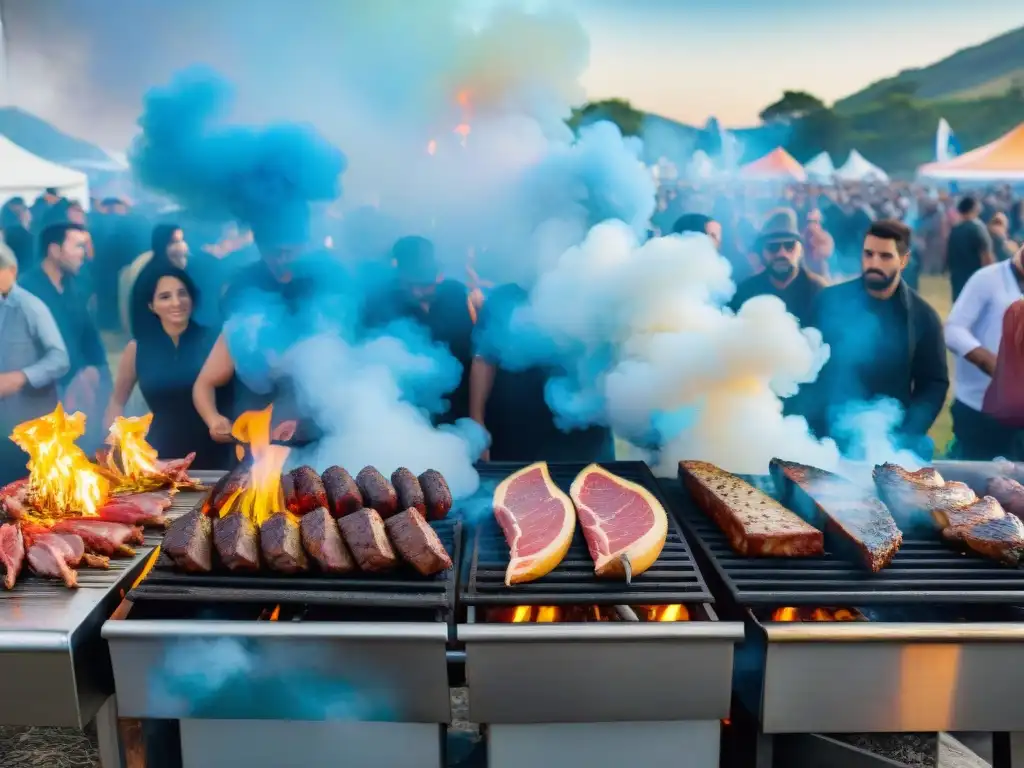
(618, 111)
(792, 106)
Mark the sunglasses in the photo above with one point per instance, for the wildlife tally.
(781, 245)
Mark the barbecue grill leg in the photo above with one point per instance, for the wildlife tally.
(107, 733)
(1008, 750)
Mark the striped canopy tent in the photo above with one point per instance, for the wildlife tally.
(777, 165)
(1002, 160)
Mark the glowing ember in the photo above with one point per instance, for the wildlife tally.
(575, 614)
(667, 613)
(522, 614)
(547, 614)
(790, 614)
(275, 614)
(128, 437)
(62, 480)
(150, 562)
(262, 497)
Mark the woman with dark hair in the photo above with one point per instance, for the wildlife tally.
(164, 358)
(14, 221)
(167, 249)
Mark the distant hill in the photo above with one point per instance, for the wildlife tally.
(989, 69)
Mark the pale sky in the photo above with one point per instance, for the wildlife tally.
(690, 59)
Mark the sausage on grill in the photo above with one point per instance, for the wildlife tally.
(291, 502)
(437, 494)
(343, 495)
(309, 490)
(410, 494)
(377, 492)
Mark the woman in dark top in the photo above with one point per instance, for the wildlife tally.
(164, 358)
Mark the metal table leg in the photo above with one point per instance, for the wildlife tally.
(109, 737)
(1008, 750)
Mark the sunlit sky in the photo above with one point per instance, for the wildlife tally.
(688, 59)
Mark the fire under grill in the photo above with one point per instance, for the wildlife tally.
(674, 578)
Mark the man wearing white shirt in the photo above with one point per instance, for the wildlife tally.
(973, 331)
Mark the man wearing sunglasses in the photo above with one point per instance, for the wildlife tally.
(781, 250)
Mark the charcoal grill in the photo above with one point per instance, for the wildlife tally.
(600, 694)
(938, 653)
(351, 665)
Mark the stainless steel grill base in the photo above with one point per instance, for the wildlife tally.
(694, 744)
(327, 744)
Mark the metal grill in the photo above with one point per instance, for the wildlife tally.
(673, 578)
(403, 588)
(923, 571)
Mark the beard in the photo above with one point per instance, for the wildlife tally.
(877, 281)
(781, 267)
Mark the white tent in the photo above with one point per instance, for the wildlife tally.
(23, 174)
(820, 168)
(857, 168)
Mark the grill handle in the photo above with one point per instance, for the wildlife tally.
(890, 632)
(611, 631)
(320, 630)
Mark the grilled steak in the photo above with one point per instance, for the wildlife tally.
(49, 560)
(377, 491)
(979, 511)
(237, 542)
(437, 494)
(282, 544)
(322, 542)
(343, 495)
(235, 481)
(367, 539)
(309, 490)
(855, 518)
(417, 543)
(12, 552)
(1009, 493)
(1001, 540)
(921, 491)
(755, 524)
(410, 494)
(291, 501)
(188, 542)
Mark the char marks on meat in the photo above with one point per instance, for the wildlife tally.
(437, 494)
(910, 493)
(232, 483)
(1009, 493)
(12, 552)
(322, 541)
(979, 511)
(855, 517)
(291, 501)
(418, 543)
(188, 542)
(377, 492)
(1001, 539)
(237, 542)
(343, 494)
(367, 539)
(309, 490)
(49, 560)
(281, 543)
(410, 494)
(755, 524)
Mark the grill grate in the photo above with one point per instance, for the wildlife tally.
(30, 585)
(403, 588)
(674, 578)
(923, 572)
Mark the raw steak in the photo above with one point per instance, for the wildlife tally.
(237, 542)
(437, 494)
(343, 495)
(188, 542)
(309, 490)
(12, 552)
(377, 492)
(367, 539)
(1009, 493)
(417, 543)
(410, 494)
(322, 542)
(857, 519)
(1001, 540)
(625, 526)
(755, 524)
(153, 502)
(538, 521)
(50, 561)
(14, 498)
(176, 469)
(282, 544)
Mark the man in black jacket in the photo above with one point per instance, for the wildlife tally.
(885, 340)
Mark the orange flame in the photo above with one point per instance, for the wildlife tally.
(150, 562)
(138, 457)
(263, 496)
(275, 614)
(522, 613)
(62, 480)
(790, 614)
(546, 614)
(674, 612)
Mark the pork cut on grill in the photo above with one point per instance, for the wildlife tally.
(367, 539)
(322, 541)
(1000, 539)
(237, 542)
(126, 512)
(12, 552)
(281, 544)
(410, 493)
(102, 537)
(858, 521)
(909, 493)
(437, 494)
(972, 513)
(755, 524)
(189, 544)
(343, 494)
(417, 543)
(49, 560)
(377, 492)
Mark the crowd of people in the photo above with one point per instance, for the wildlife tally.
(845, 261)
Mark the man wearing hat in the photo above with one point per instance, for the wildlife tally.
(781, 249)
